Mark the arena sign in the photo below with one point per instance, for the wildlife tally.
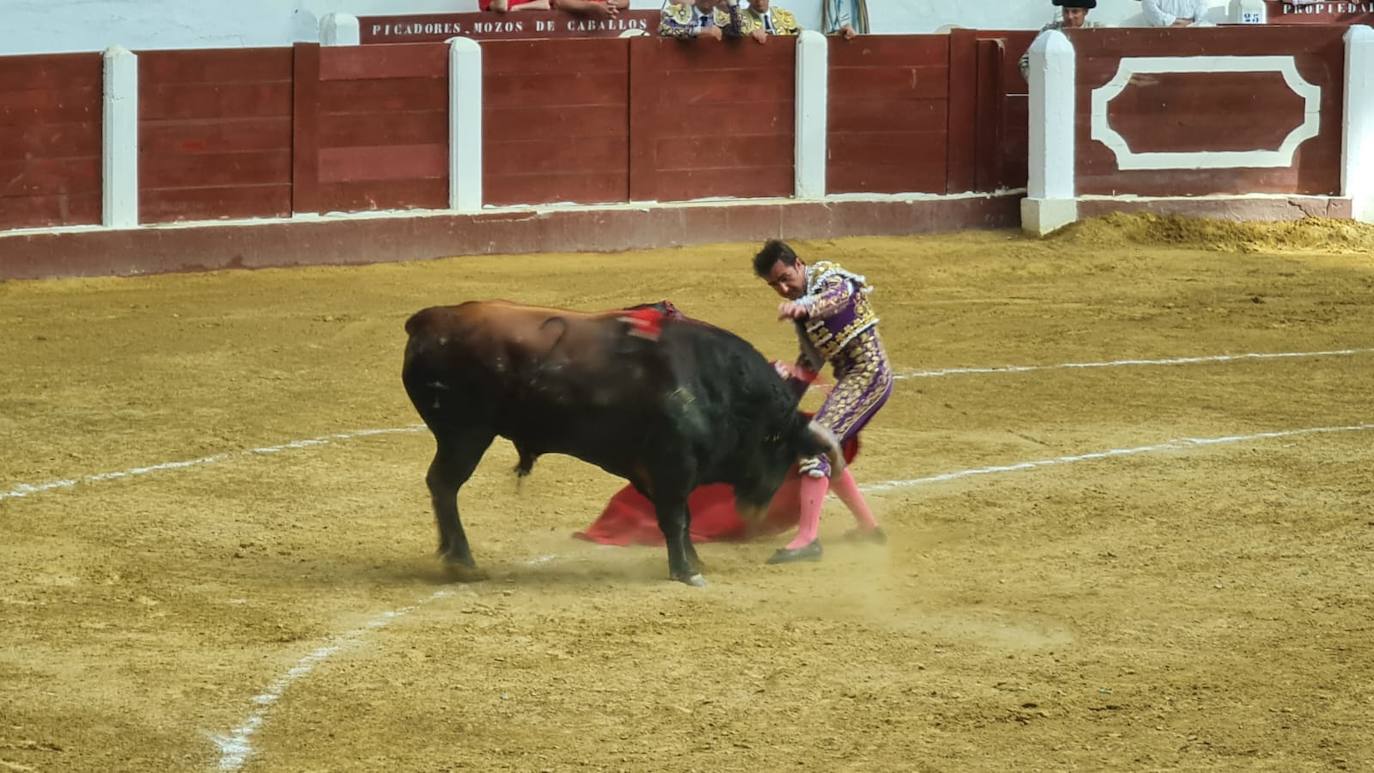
(523, 25)
(1319, 12)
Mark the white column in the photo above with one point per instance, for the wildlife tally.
(1051, 201)
(1248, 12)
(813, 57)
(340, 29)
(1357, 144)
(119, 135)
(464, 125)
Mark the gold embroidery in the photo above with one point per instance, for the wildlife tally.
(829, 343)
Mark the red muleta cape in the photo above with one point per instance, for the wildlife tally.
(629, 517)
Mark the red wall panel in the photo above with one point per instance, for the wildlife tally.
(888, 114)
(50, 125)
(371, 127)
(988, 128)
(711, 119)
(214, 134)
(1210, 110)
(555, 121)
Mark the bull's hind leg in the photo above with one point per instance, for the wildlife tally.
(454, 462)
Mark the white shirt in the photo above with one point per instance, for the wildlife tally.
(1162, 13)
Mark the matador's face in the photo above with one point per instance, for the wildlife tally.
(787, 281)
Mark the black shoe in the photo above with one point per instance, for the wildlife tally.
(873, 536)
(808, 552)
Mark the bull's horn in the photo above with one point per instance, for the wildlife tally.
(832, 447)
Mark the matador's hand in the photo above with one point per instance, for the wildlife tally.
(791, 310)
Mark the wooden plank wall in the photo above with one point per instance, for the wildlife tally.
(989, 110)
(556, 121)
(711, 119)
(376, 126)
(214, 134)
(1014, 139)
(50, 128)
(1158, 113)
(888, 114)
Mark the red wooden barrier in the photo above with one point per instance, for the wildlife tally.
(268, 132)
(50, 125)
(989, 110)
(711, 118)
(1210, 110)
(555, 121)
(888, 122)
(214, 134)
(371, 127)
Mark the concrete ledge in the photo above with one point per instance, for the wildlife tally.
(414, 236)
(1041, 216)
(1239, 208)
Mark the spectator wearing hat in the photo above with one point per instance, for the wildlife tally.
(1175, 13)
(1073, 15)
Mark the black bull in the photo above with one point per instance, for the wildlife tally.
(667, 406)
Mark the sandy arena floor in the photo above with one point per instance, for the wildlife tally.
(276, 606)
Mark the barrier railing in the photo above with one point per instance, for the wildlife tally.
(213, 134)
(1121, 115)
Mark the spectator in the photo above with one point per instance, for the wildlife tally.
(597, 9)
(1176, 13)
(700, 19)
(1073, 14)
(844, 17)
(502, 6)
(762, 20)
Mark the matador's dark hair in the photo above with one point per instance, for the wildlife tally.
(774, 250)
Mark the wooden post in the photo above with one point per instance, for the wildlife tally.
(119, 133)
(1050, 201)
(1357, 144)
(465, 125)
(811, 110)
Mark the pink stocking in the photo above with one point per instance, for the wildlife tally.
(848, 491)
(812, 496)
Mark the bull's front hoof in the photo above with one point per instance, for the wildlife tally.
(464, 573)
(453, 558)
(694, 580)
(808, 552)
